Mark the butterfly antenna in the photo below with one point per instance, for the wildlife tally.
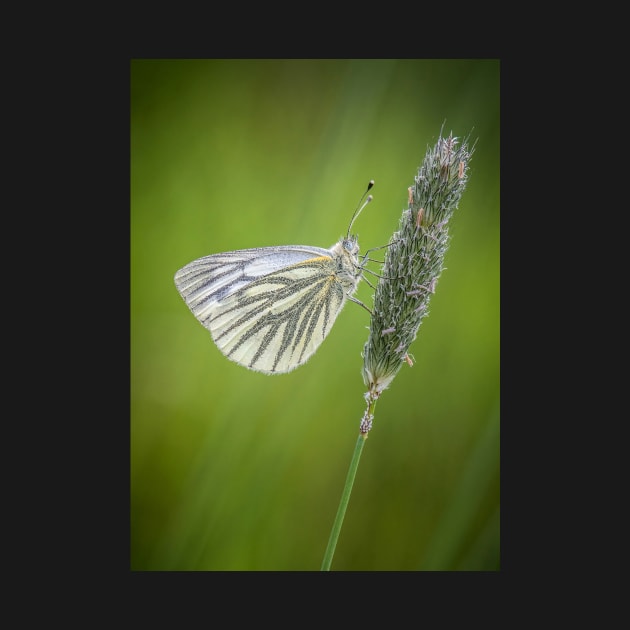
(360, 207)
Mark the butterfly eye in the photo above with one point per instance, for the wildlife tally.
(350, 245)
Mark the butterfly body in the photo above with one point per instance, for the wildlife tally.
(270, 308)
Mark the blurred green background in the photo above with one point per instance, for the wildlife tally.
(236, 470)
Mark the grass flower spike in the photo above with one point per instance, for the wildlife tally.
(413, 263)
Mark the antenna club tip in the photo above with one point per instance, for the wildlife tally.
(370, 184)
(369, 198)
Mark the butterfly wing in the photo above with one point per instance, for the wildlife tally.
(268, 308)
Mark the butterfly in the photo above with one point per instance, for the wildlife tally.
(270, 308)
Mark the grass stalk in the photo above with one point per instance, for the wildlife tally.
(414, 260)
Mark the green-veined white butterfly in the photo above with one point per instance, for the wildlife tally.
(269, 308)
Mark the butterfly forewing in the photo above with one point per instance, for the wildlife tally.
(211, 277)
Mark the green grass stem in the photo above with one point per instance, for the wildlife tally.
(343, 504)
